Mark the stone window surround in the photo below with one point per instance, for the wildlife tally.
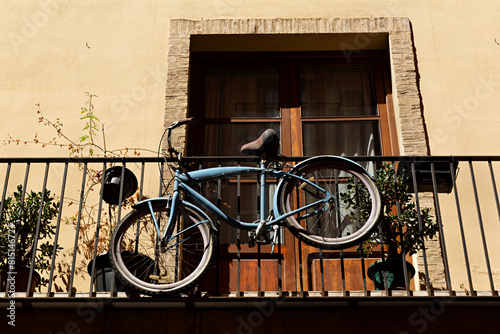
(406, 96)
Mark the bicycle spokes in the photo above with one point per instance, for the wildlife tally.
(174, 262)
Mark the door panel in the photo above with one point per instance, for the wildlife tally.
(332, 274)
(249, 275)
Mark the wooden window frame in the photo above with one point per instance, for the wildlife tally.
(291, 119)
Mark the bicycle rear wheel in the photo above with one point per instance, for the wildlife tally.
(346, 219)
(153, 267)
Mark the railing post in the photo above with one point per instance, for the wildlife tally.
(417, 201)
(97, 230)
(398, 212)
(58, 225)
(481, 227)
(441, 230)
(462, 232)
(40, 213)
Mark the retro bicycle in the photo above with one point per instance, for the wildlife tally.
(171, 240)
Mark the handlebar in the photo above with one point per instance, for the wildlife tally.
(180, 122)
(172, 151)
(186, 121)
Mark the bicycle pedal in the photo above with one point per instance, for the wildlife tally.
(251, 239)
(265, 238)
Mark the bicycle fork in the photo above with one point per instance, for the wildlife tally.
(173, 201)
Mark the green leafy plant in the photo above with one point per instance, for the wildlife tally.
(85, 146)
(20, 222)
(399, 219)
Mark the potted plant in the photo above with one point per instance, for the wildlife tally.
(18, 232)
(401, 234)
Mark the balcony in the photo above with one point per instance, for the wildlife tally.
(459, 263)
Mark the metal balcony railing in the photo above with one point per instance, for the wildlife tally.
(460, 191)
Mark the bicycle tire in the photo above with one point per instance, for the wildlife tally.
(351, 214)
(161, 269)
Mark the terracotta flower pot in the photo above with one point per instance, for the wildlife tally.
(19, 277)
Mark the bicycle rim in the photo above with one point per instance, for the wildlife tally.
(155, 267)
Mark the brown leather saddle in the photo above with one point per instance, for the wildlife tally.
(266, 146)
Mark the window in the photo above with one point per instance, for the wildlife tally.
(320, 103)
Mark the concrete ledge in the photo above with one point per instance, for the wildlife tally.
(255, 315)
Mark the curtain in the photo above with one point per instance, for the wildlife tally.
(233, 94)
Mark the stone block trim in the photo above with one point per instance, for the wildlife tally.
(406, 95)
(184, 28)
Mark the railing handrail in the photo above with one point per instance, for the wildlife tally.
(410, 158)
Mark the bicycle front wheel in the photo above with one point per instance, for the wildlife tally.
(152, 266)
(346, 219)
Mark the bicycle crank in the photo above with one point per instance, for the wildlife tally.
(161, 279)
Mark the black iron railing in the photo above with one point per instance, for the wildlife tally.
(461, 192)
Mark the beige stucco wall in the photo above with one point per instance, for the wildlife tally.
(53, 51)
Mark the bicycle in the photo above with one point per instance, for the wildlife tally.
(174, 238)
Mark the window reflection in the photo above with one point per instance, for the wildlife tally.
(334, 91)
(242, 92)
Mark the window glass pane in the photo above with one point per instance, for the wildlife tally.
(235, 92)
(341, 138)
(337, 91)
(360, 138)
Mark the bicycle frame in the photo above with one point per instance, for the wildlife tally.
(196, 233)
(182, 182)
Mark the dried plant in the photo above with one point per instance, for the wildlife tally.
(91, 224)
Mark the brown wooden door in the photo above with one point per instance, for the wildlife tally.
(319, 104)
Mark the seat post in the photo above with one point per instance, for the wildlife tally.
(263, 192)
